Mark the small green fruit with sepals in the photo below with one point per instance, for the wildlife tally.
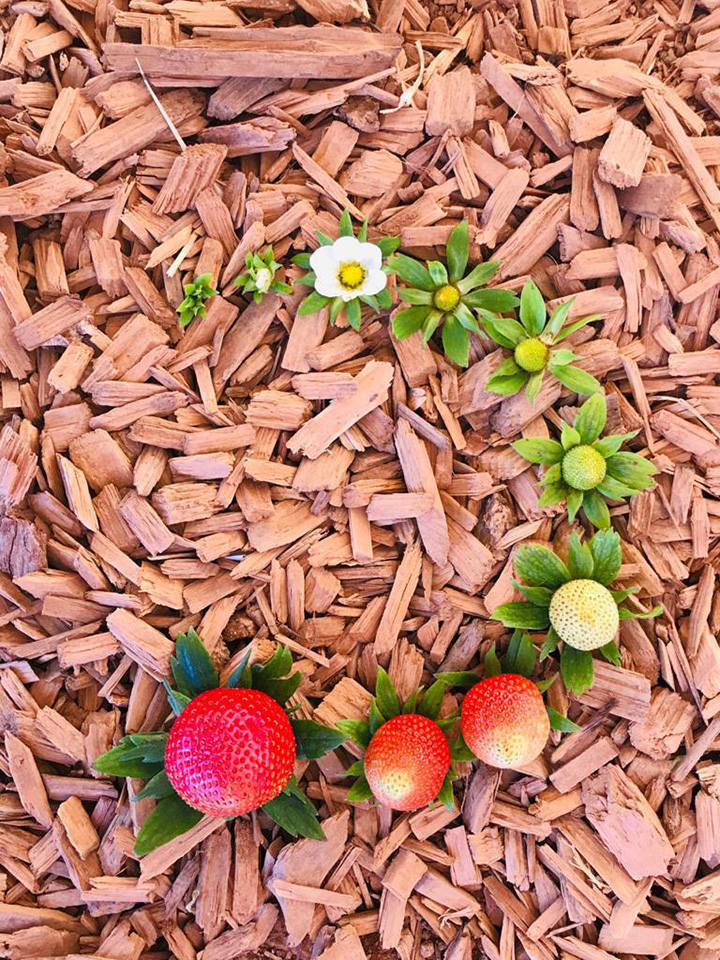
(443, 294)
(532, 341)
(258, 278)
(573, 602)
(584, 469)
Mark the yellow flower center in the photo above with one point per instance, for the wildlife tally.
(531, 355)
(446, 298)
(351, 275)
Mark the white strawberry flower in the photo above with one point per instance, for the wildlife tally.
(348, 268)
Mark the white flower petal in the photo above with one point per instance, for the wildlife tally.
(347, 248)
(375, 281)
(348, 295)
(328, 284)
(323, 260)
(370, 256)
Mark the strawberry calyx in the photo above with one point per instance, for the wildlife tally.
(544, 575)
(142, 755)
(386, 706)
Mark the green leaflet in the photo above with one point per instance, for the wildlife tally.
(577, 670)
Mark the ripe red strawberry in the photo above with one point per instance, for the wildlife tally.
(406, 762)
(504, 721)
(230, 751)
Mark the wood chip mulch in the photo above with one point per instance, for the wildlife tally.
(241, 476)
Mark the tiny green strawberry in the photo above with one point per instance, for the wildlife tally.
(573, 602)
(585, 469)
(532, 341)
(258, 278)
(440, 293)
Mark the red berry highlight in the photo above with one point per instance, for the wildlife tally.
(504, 721)
(230, 751)
(406, 762)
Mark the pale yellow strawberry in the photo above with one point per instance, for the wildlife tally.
(584, 614)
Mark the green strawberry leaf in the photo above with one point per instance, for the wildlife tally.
(532, 309)
(596, 510)
(576, 667)
(491, 664)
(157, 788)
(551, 644)
(407, 322)
(359, 791)
(559, 722)
(192, 666)
(411, 271)
(539, 450)
(386, 695)
(241, 675)
(177, 701)
(580, 559)
(607, 556)
(540, 566)
(521, 656)
(313, 739)
(576, 379)
(356, 730)
(611, 653)
(446, 795)
(292, 811)
(171, 817)
(523, 615)
(592, 417)
(456, 342)
(457, 251)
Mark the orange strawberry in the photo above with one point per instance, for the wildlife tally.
(407, 761)
(504, 721)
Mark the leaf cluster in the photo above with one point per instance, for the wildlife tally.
(254, 278)
(196, 294)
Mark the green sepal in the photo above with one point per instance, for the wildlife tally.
(577, 669)
(323, 239)
(560, 722)
(491, 664)
(552, 494)
(431, 323)
(356, 769)
(576, 325)
(596, 510)
(446, 796)
(540, 596)
(356, 730)
(292, 811)
(607, 556)
(388, 245)
(302, 260)
(415, 296)
(345, 227)
(499, 329)
(157, 788)
(626, 614)
(431, 701)
(386, 695)
(575, 499)
(551, 644)
(336, 308)
(614, 490)
(359, 791)
(170, 818)
(133, 757)
(525, 616)
(376, 718)
(313, 740)
(561, 358)
(496, 300)
(539, 450)
(576, 379)
(458, 678)
(478, 276)
(591, 418)
(384, 298)
(532, 309)
(521, 656)
(241, 675)
(354, 313)
(558, 318)
(607, 446)
(619, 596)
(363, 231)
(457, 251)
(507, 386)
(540, 566)
(438, 272)
(313, 303)
(192, 666)
(411, 271)
(611, 653)
(466, 318)
(456, 342)
(580, 560)
(177, 701)
(460, 751)
(534, 383)
(569, 437)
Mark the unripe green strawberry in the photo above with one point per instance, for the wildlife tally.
(406, 762)
(531, 355)
(584, 614)
(504, 721)
(583, 468)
